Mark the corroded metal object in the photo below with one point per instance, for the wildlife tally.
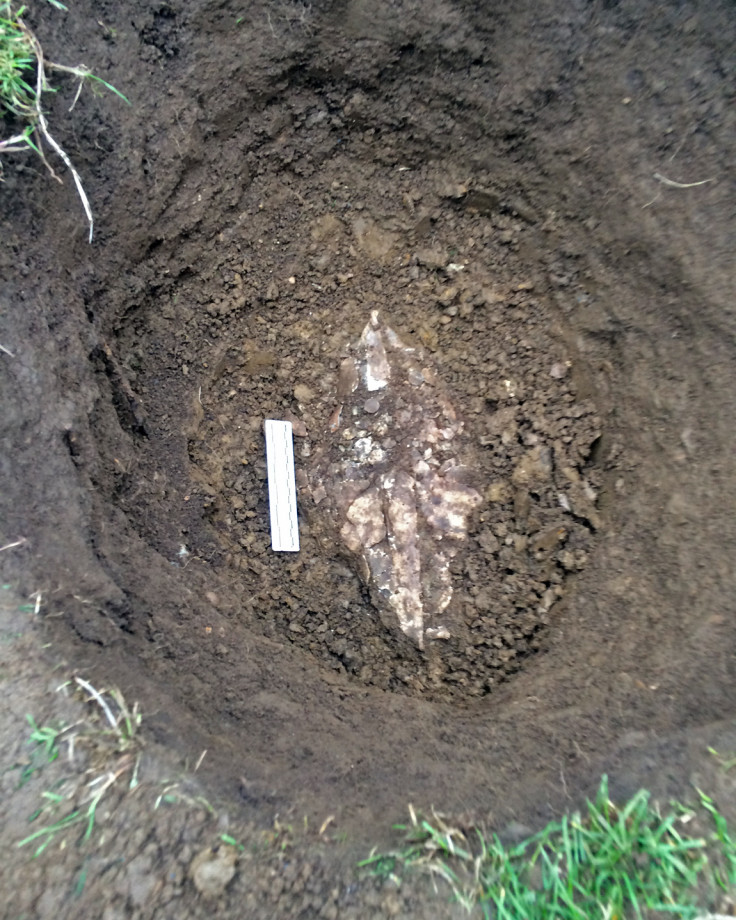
(391, 481)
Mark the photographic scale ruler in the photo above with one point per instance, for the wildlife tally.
(281, 486)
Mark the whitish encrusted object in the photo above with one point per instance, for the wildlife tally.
(390, 478)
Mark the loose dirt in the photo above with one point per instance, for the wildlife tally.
(542, 199)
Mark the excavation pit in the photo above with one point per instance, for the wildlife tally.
(570, 307)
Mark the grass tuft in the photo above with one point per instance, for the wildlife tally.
(110, 734)
(607, 862)
(46, 748)
(23, 82)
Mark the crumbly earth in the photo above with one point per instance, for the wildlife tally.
(543, 198)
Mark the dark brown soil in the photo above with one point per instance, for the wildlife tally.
(283, 170)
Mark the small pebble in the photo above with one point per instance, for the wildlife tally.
(303, 393)
(213, 869)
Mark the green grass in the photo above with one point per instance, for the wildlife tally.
(16, 61)
(46, 748)
(725, 874)
(607, 862)
(110, 734)
(24, 79)
(54, 802)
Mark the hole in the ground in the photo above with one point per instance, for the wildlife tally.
(280, 146)
(259, 326)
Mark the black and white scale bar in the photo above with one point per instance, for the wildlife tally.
(281, 486)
